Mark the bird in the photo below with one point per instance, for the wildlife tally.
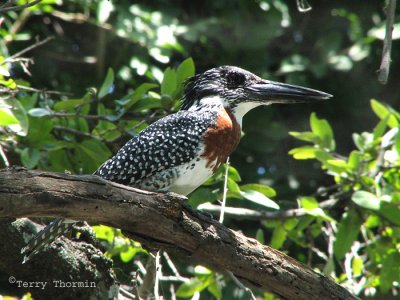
(179, 152)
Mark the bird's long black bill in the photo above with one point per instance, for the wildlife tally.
(275, 92)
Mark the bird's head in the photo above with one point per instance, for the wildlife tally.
(240, 90)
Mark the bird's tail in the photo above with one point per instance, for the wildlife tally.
(46, 236)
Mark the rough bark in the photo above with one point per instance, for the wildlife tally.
(162, 221)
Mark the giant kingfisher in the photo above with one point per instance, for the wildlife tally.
(180, 151)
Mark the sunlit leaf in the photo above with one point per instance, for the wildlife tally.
(263, 189)
(233, 186)
(188, 289)
(233, 174)
(215, 289)
(309, 203)
(366, 199)
(383, 112)
(7, 117)
(259, 198)
(354, 160)
(357, 266)
(39, 112)
(128, 254)
(201, 270)
(107, 84)
(323, 130)
(305, 152)
(306, 136)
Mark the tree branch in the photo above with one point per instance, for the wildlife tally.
(383, 72)
(162, 221)
(19, 7)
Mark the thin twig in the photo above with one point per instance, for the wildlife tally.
(77, 132)
(171, 264)
(147, 286)
(174, 278)
(158, 276)
(223, 205)
(249, 214)
(34, 46)
(383, 72)
(241, 285)
(4, 157)
(19, 7)
(127, 294)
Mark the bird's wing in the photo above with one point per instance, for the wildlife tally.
(167, 143)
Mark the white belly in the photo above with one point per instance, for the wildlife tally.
(191, 178)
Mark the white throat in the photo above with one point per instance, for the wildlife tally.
(216, 102)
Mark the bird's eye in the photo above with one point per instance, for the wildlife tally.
(234, 80)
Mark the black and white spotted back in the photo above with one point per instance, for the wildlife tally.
(166, 144)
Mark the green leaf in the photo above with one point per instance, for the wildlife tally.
(260, 236)
(390, 271)
(366, 199)
(168, 85)
(202, 195)
(348, 230)
(337, 165)
(319, 212)
(185, 70)
(233, 174)
(188, 289)
(39, 112)
(397, 141)
(30, 157)
(354, 160)
(7, 117)
(107, 84)
(128, 254)
(390, 212)
(201, 270)
(263, 189)
(384, 112)
(380, 129)
(357, 265)
(137, 95)
(259, 198)
(308, 203)
(305, 152)
(306, 136)
(104, 233)
(215, 289)
(233, 186)
(69, 104)
(323, 130)
(92, 154)
(18, 110)
(10, 83)
(278, 237)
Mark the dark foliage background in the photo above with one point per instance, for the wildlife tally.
(335, 47)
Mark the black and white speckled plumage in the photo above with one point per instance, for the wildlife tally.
(151, 159)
